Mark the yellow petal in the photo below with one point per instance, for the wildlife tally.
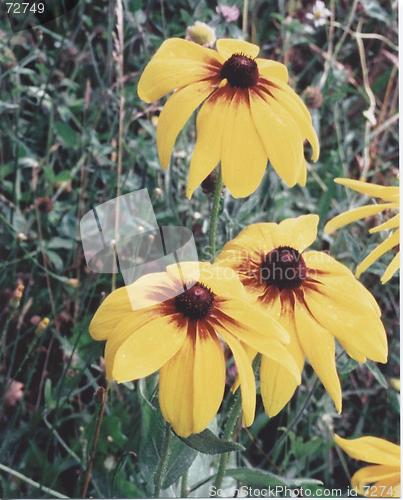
(387, 193)
(176, 113)
(251, 321)
(286, 96)
(210, 124)
(277, 385)
(324, 263)
(355, 214)
(272, 70)
(383, 476)
(392, 223)
(177, 63)
(350, 322)
(298, 232)
(319, 348)
(263, 339)
(246, 377)
(371, 449)
(110, 313)
(392, 268)
(343, 285)
(147, 348)
(176, 394)
(283, 149)
(124, 328)
(208, 380)
(381, 249)
(222, 281)
(227, 47)
(254, 241)
(243, 158)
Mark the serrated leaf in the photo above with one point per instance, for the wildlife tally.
(256, 478)
(208, 443)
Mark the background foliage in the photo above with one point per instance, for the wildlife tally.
(60, 107)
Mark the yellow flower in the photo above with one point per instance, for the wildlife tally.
(248, 112)
(315, 298)
(388, 194)
(178, 325)
(382, 479)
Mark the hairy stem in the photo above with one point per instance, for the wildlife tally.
(102, 395)
(215, 212)
(233, 417)
(163, 463)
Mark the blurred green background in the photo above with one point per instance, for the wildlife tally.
(60, 109)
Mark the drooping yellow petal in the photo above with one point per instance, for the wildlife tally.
(387, 193)
(392, 223)
(383, 476)
(287, 98)
(246, 377)
(355, 214)
(319, 347)
(109, 313)
(208, 380)
(211, 120)
(347, 286)
(270, 70)
(176, 113)
(298, 232)
(283, 150)
(243, 158)
(371, 449)
(334, 275)
(176, 389)
(349, 322)
(228, 46)
(147, 348)
(392, 268)
(177, 63)
(381, 249)
(277, 385)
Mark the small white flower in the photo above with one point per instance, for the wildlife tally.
(319, 14)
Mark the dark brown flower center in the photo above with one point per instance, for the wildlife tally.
(196, 302)
(283, 267)
(240, 71)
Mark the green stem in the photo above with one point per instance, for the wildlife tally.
(233, 417)
(215, 212)
(245, 17)
(184, 485)
(163, 463)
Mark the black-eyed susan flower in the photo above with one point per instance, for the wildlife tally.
(390, 196)
(179, 326)
(248, 113)
(314, 297)
(379, 480)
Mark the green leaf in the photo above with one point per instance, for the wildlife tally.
(376, 372)
(209, 443)
(67, 135)
(256, 478)
(180, 456)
